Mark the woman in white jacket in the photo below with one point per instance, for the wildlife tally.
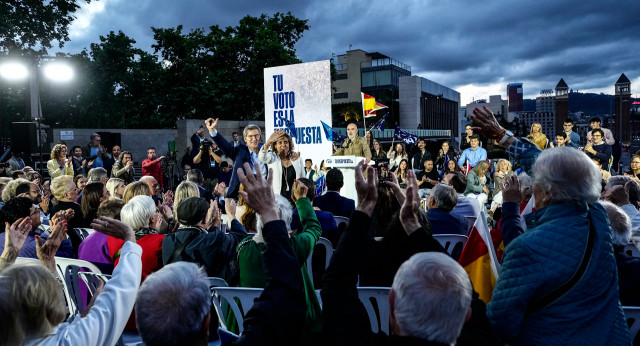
(396, 156)
(277, 153)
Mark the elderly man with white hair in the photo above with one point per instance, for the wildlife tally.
(628, 266)
(624, 192)
(558, 282)
(431, 294)
(440, 202)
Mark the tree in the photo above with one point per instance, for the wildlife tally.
(30, 26)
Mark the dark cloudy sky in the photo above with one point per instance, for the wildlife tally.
(475, 47)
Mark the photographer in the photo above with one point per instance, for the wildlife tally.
(207, 160)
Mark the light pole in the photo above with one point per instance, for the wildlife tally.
(55, 71)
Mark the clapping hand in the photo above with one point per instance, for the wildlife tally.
(411, 206)
(258, 193)
(213, 215)
(367, 188)
(395, 188)
(299, 190)
(511, 191)
(47, 251)
(15, 235)
(218, 191)
(230, 208)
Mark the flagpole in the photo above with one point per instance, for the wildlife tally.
(364, 120)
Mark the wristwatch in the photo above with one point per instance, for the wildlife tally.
(505, 136)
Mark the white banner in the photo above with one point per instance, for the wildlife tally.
(299, 96)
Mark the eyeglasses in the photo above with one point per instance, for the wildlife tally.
(36, 191)
(253, 136)
(635, 162)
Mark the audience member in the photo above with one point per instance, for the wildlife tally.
(332, 201)
(504, 170)
(441, 201)
(115, 186)
(135, 189)
(427, 178)
(396, 156)
(634, 168)
(598, 148)
(401, 173)
(80, 181)
(607, 135)
(466, 207)
(66, 193)
(561, 140)
(115, 156)
(625, 193)
(466, 138)
(94, 248)
(151, 166)
(185, 190)
(198, 241)
(376, 151)
(123, 168)
(94, 153)
(78, 161)
(537, 137)
(20, 174)
(59, 164)
(196, 177)
(225, 173)
(420, 156)
(572, 139)
(446, 154)
(326, 219)
(94, 194)
(527, 299)
(472, 155)
(308, 171)
(628, 266)
(478, 182)
(97, 175)
(251, 263)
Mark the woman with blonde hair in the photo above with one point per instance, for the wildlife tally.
(537, 137)
(59, 163)
(135, 189)
(277, 153)
(503, 170)
(116, 187)
(185, 190)
(245, 214)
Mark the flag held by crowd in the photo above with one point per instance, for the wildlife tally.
(380, 124)
(331, 134)
(405, 136)
(370, 106)
(479, 258)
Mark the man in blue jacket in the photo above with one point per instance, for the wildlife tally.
(332, 201)
(246, 152)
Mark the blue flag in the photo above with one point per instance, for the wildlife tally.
(405, 136)
(320, 185)
(328, 132)
(380, 124)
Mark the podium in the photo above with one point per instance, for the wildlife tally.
(346, 165)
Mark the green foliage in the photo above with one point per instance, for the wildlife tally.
(31, 26)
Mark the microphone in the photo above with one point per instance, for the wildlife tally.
(348, 143)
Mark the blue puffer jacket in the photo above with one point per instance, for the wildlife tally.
(543, 258)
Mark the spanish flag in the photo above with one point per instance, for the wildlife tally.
(479, 258)
(370, 106)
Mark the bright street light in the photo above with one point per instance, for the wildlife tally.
(58, 72)
(13, 71)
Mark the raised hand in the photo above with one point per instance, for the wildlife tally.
(213, 214)
(258, 193)
(15, 235)
(218, 191)
(113, 227)
(367, 188)
(511, 191)
(211, 124)
(411, 206)
(230, 208)
(274, 137)
(46, 251)
(299, 190)
(167, 198)
(485, 121)
(395, 188)
(295, 156)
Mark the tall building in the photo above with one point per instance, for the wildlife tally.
(562, 105)
(622, 116)
(545, 119)
(496, 104)
(375, 74)
(427, 103)
(514, 97)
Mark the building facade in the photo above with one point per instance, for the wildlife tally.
(622, 114)
(562, 105)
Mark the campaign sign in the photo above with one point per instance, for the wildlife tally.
(297, 98)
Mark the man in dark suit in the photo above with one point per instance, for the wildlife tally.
(327, 222)
(332, 201)
(246, 152)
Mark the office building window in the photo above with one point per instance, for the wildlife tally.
(342, 76)
(340, 95)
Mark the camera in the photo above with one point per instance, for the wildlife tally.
(205, 145)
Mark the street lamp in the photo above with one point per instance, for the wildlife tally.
(56, 71)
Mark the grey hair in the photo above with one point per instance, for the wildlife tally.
(112, 186)
(620, 223)
(567, 175)
(177, 318)
(525, 180)
(137, 212)
(634, 190)
(444, 196)
(145, 178)
(432, 297)
(285, 211)
(251, 127)
(10, 189)
(96, 175)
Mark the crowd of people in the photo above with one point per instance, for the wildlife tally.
(248, 211)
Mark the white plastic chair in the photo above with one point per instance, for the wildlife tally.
(380, 296)
(633, 319)
(328, 249)
(68, 268)
(246, 297)
(451, 241)
(340, 220)
(631, 250)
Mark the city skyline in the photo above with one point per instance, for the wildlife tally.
(476, 49)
